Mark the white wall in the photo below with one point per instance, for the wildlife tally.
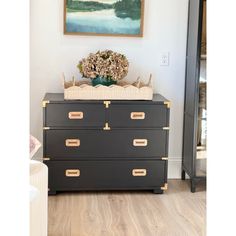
(52, 53)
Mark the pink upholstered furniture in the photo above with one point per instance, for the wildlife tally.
(38, 193)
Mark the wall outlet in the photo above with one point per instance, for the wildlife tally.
(165, 59)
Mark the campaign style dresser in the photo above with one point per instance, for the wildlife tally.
(105, 145)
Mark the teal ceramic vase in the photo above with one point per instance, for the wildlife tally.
(103, 81)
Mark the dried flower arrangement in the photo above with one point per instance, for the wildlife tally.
(107, 66)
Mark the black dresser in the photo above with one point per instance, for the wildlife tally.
(106, 145)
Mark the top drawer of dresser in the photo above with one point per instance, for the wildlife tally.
(138, 115)
(116, 115)
(94, 114)
(74, 115)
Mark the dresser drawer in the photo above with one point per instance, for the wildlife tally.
(92, 175)
(138, 116)
(74, 115)
(77, 144)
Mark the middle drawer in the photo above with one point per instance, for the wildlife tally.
(71, 144)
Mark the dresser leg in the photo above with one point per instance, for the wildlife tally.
(193, 186)
(157, 191)
(51, 192)
(183, 175)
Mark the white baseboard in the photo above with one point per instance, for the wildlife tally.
(174, 168)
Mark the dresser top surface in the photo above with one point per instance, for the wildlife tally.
(59, 98)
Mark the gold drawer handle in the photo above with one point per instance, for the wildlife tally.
(139, 172)
(76, 115)
(137, 115)
(140, 142)
(72, 142)
(73, 173)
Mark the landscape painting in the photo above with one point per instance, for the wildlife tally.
(104, 17)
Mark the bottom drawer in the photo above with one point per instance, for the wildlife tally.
(106, 175)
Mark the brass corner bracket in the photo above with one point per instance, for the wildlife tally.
(44, 103)
(167, 104)
(46, 128)
(165, 187)
(107, 127)
(46, 159)
(107, 103)
(164, 158)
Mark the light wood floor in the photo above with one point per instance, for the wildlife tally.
(177, 212)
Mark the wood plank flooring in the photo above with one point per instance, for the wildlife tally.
(178, 212)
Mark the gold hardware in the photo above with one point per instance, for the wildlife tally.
(167, 104)
(166, 128)
(73, 173)
(46, 128)
(137, 115)
(165, 187)
(45, 103)
(164, 158)
(139, 172)
(72, 142)
(46, 159)
(76, 115)
(140, 142)
(107, 103)
(107, 127)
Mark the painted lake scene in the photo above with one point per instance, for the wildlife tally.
(104, 17)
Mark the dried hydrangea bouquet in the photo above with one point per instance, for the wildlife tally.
(104, 67)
